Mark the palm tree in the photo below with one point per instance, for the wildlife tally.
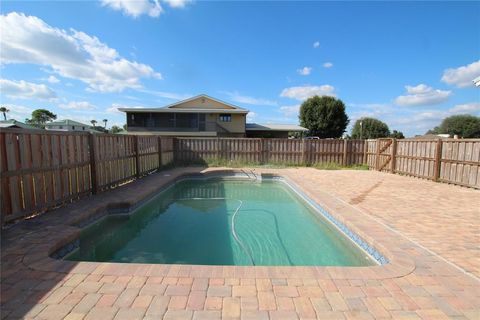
(105, 123)
(93, 122)
(4, 111)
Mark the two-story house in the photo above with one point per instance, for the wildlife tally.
(199, 116)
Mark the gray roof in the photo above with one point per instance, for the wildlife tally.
(273, 127)
(66, 122)
(168, 108)
(12, 123)
(8, 125)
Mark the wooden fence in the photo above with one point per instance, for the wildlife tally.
(44, 169)
(284, 151)
(455, 161)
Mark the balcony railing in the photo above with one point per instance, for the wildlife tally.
(208, 126)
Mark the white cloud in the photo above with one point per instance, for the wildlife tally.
(463, 76)
(135, 8)
(26, 90)
(114, 108)
(305, 71)
(473, 107)
(17, 112)
(251, 116)
(305, 92)
(316, 44)
(72, 54)
(167, 95)
(52, 79)
(328, 65)
(290, 111)
(236, 97)
(177, 3)
(78, 105)
(422, 95)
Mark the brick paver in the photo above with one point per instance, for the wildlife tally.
(419, 225)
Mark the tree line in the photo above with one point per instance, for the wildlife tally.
(325, 117)
(40, 117)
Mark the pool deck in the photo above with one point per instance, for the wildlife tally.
(429, 232)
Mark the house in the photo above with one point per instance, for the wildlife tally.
(199, 116)
(16, 124)
(67, 125)
(254, 130)
(432, 136)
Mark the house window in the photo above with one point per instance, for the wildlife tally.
(83, 128)
(60, 127)
(225, 118)
(73, 127)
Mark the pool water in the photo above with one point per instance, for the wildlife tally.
(221, 222)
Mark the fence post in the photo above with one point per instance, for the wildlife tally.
(377, 155)
(393, 157)
(262, 150)
(137, 158)
(438, 159)
(93, 163)
(159, 152)
(345, 149)
(304, 162)
(365, 152)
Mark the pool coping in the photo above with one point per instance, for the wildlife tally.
(38, 254)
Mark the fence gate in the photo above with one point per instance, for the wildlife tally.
(385, 155)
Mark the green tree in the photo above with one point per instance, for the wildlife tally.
(124, 127)
(370, 128)
(115, 129)
(4, 110)
(397, 134)
(324, 116)
(40, 117)
(464, 125)
(93, 122)
(105, 123)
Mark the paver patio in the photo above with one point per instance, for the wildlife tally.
(429, 232)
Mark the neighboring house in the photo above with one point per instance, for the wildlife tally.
(432, 136)
(16, 124)
(67, 125)
(199, 116)
(254, 130)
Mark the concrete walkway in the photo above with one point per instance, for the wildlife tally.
(429, 232)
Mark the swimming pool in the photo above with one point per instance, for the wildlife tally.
(222, 221)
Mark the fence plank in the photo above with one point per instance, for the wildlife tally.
(27, 179)
(6, 205)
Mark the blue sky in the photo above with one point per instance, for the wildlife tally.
(409, 64)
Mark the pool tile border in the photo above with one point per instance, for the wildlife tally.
(37, 255)
(371, 250)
